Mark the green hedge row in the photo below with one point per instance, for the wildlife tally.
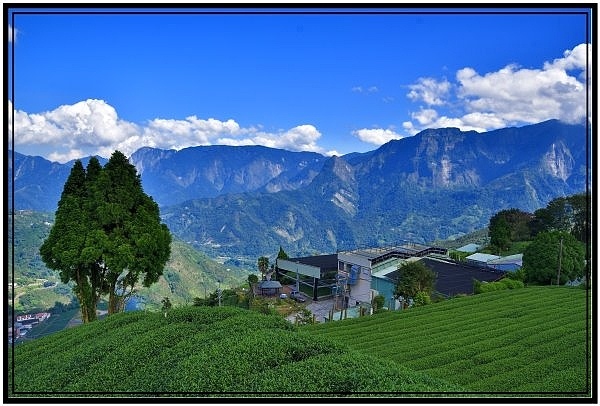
(481, 287)
(501, 341)
(202, 351)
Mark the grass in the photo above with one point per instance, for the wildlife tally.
(523, 340)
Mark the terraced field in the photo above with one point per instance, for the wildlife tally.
(530, 340)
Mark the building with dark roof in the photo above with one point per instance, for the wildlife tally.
(269, 287)
(451, 279)
(318, 272)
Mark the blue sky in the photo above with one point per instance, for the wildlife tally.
(331, 83)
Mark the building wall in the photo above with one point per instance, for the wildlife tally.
(360, 285)
(385, 288)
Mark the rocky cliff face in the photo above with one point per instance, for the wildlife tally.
(210, 171)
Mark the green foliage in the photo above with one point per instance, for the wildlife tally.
(510, 341)
(503, 284)
(378, 303)
(202, 351)
(422, 299)
(252, 278)
(571, 214)
(107, 236)
(458, 256)
(414, 277)
(166, 304)
(499, 230)
(508, 226)
(304, 316)
(187, 274)
(263, 265)
(281, 254)
(518, 275)
(542, 258)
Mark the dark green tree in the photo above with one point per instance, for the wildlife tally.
(166, 305)
(499, 232)
(107, 235)
(378, 303)
(581, 205)
(546, 254)
(571, 214)
(252, 280)
(64, 250)
(414, 277)
(281, 254)
(137, 244)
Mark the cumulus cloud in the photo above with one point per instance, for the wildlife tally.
(430, 91)
(92, 127)
(509, 96)
(377, 136)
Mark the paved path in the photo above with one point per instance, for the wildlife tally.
(319, 308)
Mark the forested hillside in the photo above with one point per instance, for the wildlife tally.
(188, 273)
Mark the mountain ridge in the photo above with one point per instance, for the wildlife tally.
(438, 184)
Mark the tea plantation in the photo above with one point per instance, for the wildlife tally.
(522, 342)
(526, 341)
(201, 351)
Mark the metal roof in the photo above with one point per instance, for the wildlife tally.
(325, 262)
(469, 248)
(479, 257)
(269, 285)
(510, 259)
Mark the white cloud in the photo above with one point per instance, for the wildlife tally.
(509, 96)
(430, 91)
(377, 136)
(92, 127)
(360, 89)
(425, 116)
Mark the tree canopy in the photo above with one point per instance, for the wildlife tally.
(263, 265)
(507, 226)
(550, 251)
(571, 214)
(107, 236)
(415, 277)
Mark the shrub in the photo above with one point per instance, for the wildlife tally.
(422, 299)
(506, 283)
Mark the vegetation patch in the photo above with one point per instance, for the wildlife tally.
(530, 340)
(203, 351)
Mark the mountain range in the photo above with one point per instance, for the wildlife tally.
(246, 201)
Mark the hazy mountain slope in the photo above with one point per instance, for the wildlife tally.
(38, 183)
(436, 185)
(441, 183)
(209, 171)
(187, 274)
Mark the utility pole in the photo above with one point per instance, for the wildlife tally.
(219, 291)
(559, 261)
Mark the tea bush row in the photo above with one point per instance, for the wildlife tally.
(201, 351)
(513, 335)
